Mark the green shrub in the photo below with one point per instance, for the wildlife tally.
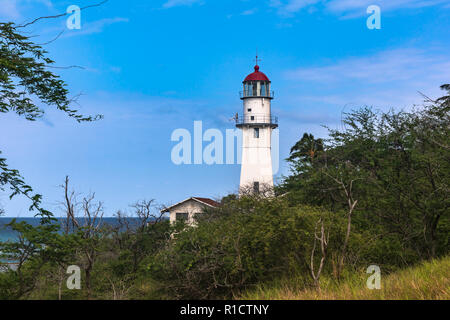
(240, 244)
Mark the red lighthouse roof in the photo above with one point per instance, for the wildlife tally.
(256, 76)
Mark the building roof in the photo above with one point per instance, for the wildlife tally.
(206, 201)
(256, 76)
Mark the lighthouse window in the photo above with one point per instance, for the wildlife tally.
(256, 133)
(252, 118)
(255, 93)
(256, 187)
(263, 89)
(249, 110)
(249, 89)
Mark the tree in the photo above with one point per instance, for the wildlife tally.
(86, 228)
(303, 158)
(306, 149)
(132, 240)
(35, 247)
(323, 239)
(133, 233)
(26, 82)
(390, 172)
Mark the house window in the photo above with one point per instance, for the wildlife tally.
(256, 187)
(256, 132)
(182, 216)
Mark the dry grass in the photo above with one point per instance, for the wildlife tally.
(428, 281)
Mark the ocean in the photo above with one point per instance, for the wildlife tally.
(6, 234)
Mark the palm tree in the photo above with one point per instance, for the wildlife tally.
(306, 149)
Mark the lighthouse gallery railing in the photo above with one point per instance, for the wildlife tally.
(256, 120)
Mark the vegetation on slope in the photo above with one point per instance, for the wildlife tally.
(427, 281)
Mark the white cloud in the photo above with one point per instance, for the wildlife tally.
(390, 78)
(358, 7)
(351, 8)
(248, 12)
(8, 9)
(95, 27)
(11, 9)
(392, 65)
(176, 3)
(292, 6)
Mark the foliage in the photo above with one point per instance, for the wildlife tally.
(428, 281)
(244, 242)
(25, 83)
(35, 247)
(396, 165)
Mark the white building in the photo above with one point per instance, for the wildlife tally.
(187, 209)
(257, 124)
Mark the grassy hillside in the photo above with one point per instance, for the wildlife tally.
(430, 280)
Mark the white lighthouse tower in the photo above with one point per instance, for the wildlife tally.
(257, 124)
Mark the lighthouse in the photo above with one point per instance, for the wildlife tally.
(256, 123)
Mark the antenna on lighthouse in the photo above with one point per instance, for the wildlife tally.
(256, 60)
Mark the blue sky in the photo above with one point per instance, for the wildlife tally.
(154, 66)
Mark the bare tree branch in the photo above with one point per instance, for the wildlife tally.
(59, 15)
